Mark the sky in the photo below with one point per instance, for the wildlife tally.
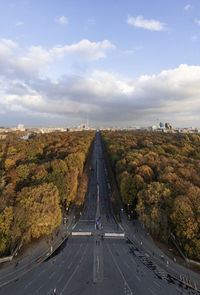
(114, 62)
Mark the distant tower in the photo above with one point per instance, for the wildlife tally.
(168, 126)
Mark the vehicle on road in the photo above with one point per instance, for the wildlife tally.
(39, 259)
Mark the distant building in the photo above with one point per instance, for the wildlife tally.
(161, 125)
(153, 128)
(168, 126)
(3, 136)
(21, 127)
(27, 136)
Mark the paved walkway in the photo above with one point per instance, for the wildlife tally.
(145, 243)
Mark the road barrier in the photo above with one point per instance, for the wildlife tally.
(174, 276)
(114, 235)
(81, 233)
(10, 258)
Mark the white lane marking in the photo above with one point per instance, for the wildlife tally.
(78, 250)
(138, 278)
(97, 263)
(152, 292)
(60, 278)
(27, 285)
(38, 290)
(114, 260)
(70, 278)
(51, 275)
(121, 227)
(74, 225)
(69, 265)
(156, 284)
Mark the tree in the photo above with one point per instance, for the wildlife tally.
(186, 220)
(6, 219)
(146, 172)
(129, 187)
(38, 209)
(152, 207)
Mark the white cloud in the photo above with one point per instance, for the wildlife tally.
(149, 24)
(187, 7)
(28, 63)
(107, 98)
(84, 49)
(18, 24)
(63, 20)
(197, 21)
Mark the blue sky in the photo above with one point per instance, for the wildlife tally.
(117, 62)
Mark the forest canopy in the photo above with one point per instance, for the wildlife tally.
(39, 177)
(158, 176)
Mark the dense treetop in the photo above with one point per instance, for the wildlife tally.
(159, 177)
(38, 178)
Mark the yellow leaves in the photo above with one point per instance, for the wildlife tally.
(57, 158)
(146, 172)
(3, 244)
(6, 218)
(23, 172)
(152, 201)
(155, 214)
(9, 163)
(40, 210)
(163, 161)
(186, 214)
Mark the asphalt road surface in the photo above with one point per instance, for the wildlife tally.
(94, 265)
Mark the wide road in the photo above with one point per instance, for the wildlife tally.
(92, 264)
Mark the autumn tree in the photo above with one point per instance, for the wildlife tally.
(6, 219)
(38, 211)
(153, 203)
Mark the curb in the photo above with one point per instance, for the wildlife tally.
(35, 265)
(172, 276)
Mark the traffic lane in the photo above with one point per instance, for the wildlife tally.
(35, 278)
(113, 282)
(107, 218)
(48, 273)
(81, 281)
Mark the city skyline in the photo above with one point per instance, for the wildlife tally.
(116, 64)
